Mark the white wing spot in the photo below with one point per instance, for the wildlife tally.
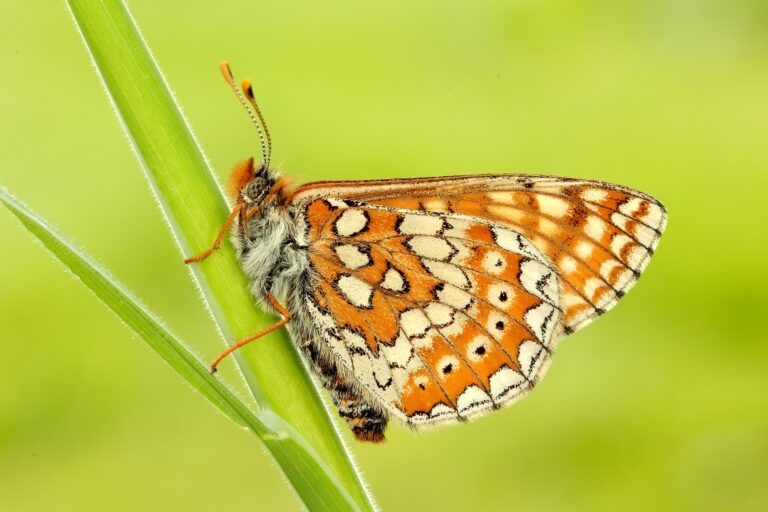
(356, 291)
(494, 263)
(456, 327)
(439, 314)
(624, 279)
(351, 222)
(594, 195)
(431, 247)
(473, 400)
(427, 342)
(505, 381)
(400, 353)
(446, 365)
(496, 324)
(354, 340)
(393, 280)
(635, 254)
(478, 348)
(529, 357)
(584, 249)
(608, 267)
(512, 241)
(501, 197)
(435, 205)
(507, 213)
(457, 229)
(420, 225)
(568, 264)
(548, 227)
(552, 205)
(632, 207)
(531, 276)
(352, 256)
(337, 203)
(591, 285)
(421, 381)
(501, 295)
(594, 228)
(447, 272)
(454, 297)
(415, 323)
(542, 320)
(642, 233)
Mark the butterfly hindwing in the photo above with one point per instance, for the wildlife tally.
(439, 316)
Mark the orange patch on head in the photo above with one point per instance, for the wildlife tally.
(240, 175)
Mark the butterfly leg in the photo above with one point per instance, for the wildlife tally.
(219, 238)
(366, 421)
(280, 309)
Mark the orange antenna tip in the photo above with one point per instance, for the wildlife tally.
(257, 119)
(247, 89)
(226, 70)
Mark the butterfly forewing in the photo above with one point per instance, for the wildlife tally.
(440, 316)
(598, 236)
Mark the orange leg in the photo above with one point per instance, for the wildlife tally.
(219, 238)
(286, 318)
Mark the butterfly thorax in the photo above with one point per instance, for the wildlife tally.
(264, 234)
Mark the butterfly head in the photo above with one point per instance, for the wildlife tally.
(249, 184)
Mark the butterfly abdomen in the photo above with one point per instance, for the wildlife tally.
(366, 421)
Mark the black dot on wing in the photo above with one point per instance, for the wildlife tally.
(499, 263)
(448, 368)
(503, 297)
(480, 350)
(500, 325)
(422, 386)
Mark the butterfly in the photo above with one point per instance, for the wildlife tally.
(432, 300)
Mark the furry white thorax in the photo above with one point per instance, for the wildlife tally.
(269, 254)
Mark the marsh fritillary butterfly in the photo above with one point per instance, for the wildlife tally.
(438, 299)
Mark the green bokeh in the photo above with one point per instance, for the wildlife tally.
(662, 404)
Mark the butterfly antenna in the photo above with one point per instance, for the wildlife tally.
(248, 91)
(266, 148)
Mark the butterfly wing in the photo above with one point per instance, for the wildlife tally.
(599, 236)
(438, 316)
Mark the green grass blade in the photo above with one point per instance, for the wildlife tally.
(195, 209)
(316, 485)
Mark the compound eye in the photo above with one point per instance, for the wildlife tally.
(256, 188)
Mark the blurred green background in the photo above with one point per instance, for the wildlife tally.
(662, 404)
